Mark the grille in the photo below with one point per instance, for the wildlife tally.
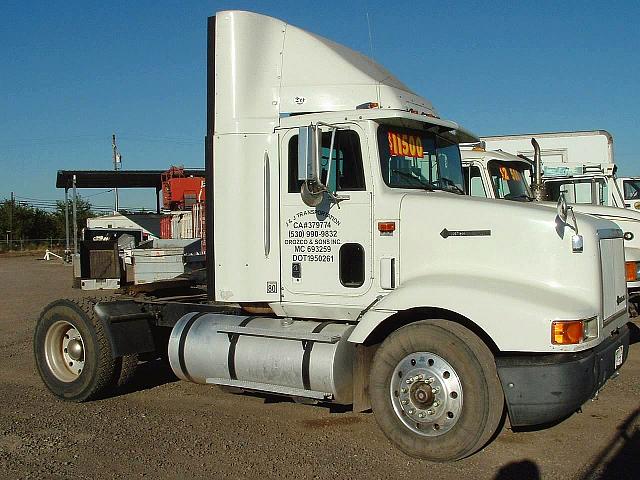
(614, 288)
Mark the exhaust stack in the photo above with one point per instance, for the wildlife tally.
(538, 188)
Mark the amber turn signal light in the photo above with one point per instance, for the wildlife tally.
(631, 271)
(567, 333)
(386, 227)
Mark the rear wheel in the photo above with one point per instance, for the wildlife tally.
(435, 392)
(72, 352)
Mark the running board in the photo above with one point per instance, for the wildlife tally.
(267, 333)
(267, 387)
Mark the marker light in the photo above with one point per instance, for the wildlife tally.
(368, 105)
(631, 271)
(386, 228)
(567, 332)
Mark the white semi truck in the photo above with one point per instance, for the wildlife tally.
(500, 175)
(580, 164)
(630, 190)
(344, 264)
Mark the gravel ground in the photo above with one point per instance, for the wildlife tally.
(163, 428)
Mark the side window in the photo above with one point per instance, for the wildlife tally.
(583, 193)
(476, 187)
(603, 192)
(346, 172)
(352, 265)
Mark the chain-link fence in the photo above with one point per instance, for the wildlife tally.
(32, 244)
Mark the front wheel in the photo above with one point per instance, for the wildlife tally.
(435, 391)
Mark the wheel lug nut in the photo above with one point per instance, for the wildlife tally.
(421, 415)
(411, 411)
(404, 402)
(403, 390)
(430, 412)
(436, 404)
(435, 390)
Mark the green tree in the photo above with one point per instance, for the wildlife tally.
(83, 211)
(28, 222)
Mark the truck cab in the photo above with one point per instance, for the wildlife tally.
(630, 189)
(346, 265)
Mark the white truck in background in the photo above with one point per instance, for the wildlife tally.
(345, 265)
(630, 189)
(499, 175)
(580, 164)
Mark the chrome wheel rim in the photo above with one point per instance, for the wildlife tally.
(64, 351)
(426, 394)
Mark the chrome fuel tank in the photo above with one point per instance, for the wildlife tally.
(290, 357)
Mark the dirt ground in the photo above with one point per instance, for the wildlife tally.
(163, 428)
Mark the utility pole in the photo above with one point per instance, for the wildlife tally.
(12, 207)
(75, 217)
(117, 164)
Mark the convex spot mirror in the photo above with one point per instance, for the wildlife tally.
(562, 208)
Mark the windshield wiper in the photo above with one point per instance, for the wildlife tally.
(522, 196)
(426, 186)
(451, 186)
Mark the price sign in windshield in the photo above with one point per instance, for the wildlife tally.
(403, 145)
(510, 174)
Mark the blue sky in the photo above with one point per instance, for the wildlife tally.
(72, 73)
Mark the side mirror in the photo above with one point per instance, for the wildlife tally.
(309, 145)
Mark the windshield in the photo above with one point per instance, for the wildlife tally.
(417, 159)
(593, 190)
(509, 180)
(631, 189)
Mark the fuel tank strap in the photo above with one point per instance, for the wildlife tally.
(306, 358)
(233, 341)
(183, 340)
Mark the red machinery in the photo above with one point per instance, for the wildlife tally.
(180, 192)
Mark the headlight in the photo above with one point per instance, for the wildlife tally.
(631, 271)
(571, 332)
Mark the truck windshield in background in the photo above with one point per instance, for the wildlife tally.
(509, 180)
(631, 189)
(420, 160)
(592, 190)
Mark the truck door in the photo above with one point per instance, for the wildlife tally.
(327, 250)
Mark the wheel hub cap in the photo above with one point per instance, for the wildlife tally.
(426, 394)
(64, 351)
(74, 348)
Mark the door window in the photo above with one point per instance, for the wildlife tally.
(346, 173)
(473, 180)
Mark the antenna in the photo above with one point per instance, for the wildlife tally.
(370, 35)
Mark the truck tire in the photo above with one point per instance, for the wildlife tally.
(435, 391)
(72, 352)
(127, 367)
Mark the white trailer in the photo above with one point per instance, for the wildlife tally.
(344, 264)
